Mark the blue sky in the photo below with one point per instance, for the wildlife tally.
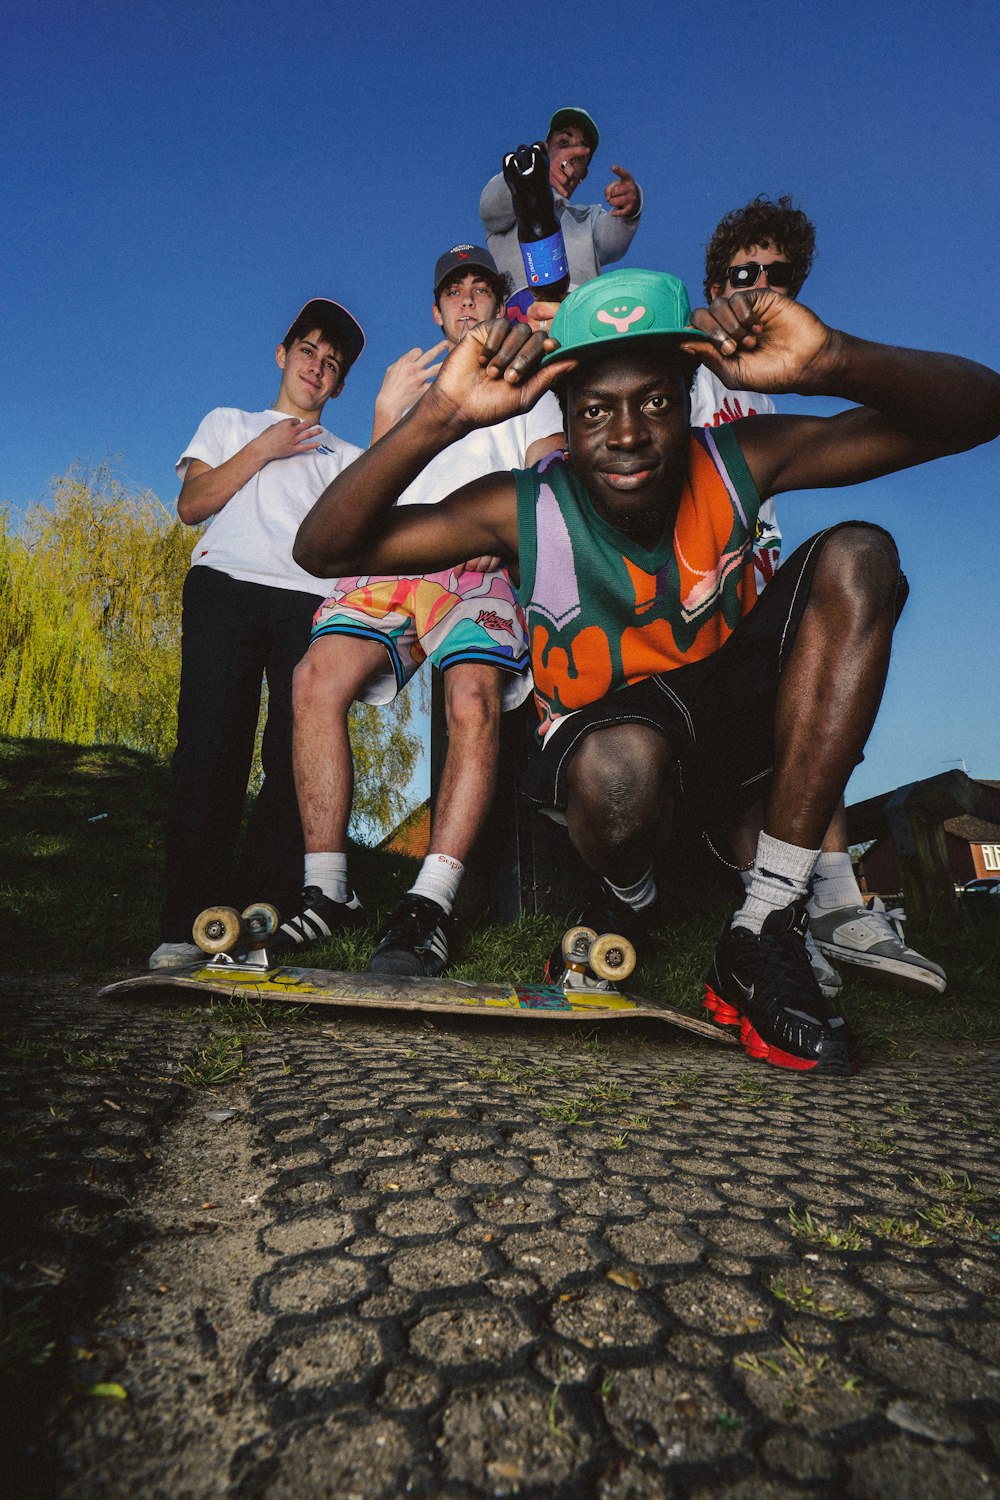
(181, 178)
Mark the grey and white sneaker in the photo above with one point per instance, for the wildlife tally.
(870, 939)
(829, 981)
(175, 956)
(319, 918)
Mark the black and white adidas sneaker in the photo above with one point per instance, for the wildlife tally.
(319, 918)
(414, 940)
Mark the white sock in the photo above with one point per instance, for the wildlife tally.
(780, 875)
(329, 872)
(834, 883)
(642, 893)
(439, 879)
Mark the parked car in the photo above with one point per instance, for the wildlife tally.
(988, 885)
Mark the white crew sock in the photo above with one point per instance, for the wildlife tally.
(780, 875)
(834, 884)
(329, 872)
(439, 879)
(642, 893)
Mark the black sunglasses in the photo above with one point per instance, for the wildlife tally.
(778, 273)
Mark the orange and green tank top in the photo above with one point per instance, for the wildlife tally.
(603, 611)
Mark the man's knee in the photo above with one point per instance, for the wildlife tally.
(860, 562)
(328, 678)
(472, 701)
(621, 771)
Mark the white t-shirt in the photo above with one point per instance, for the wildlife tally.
(488, 450)
(712, 404)
(251, 537)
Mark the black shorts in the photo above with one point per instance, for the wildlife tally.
(717, 713)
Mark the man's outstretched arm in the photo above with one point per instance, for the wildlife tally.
(491, 375)
(496, 206)
(912, 405)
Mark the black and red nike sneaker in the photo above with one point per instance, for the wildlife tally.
(764, 985)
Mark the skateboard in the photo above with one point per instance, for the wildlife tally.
(586, 996)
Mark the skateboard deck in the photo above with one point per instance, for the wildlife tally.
(539, 1002)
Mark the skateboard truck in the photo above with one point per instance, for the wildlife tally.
(596, 962)
(220, 930)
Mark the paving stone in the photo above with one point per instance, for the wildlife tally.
(472, 1335)
(384, 1261)
(509, 1438)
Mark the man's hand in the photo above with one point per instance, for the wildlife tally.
(567, 169)
(623, 195)
(206, 489)
(404, 383)
(285, 439)
(482, 564)
(540, 315)
(762, 341)
(491, 375)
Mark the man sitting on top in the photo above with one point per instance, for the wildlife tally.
(593, 235)
(655, 667)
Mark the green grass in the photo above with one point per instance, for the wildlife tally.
(220, 1060)
(81, 847)
(909, 1231)
(80, 854)
(801, 1297)
(805, 1227)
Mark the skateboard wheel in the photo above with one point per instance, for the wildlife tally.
(260, 921)
(217, 929)
(612, 957)
(576, 945)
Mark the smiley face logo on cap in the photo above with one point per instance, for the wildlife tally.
(618, 316)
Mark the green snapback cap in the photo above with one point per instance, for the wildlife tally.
(621, 306)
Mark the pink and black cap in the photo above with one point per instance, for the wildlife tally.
(335, 323)
(467, 257)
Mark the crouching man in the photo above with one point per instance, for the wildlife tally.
(656, 670)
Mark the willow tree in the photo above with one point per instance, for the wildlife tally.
(89, 618)
(90, 610)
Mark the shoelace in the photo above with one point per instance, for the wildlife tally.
(784, 961)
(410, 926)
(889, 919)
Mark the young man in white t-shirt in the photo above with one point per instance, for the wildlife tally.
(373, 633)
(247, 612)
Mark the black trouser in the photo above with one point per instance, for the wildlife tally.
(716, 713)
(234, 633)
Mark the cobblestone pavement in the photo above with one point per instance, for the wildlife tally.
(467, 1260)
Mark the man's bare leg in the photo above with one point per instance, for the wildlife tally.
(415, 940)
(617, 814)
(327, 680)
(761, 982)
(827, 700)
(832, 686)
(618, 802)
(472, 696)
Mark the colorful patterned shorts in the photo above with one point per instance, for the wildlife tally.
(450, 617)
